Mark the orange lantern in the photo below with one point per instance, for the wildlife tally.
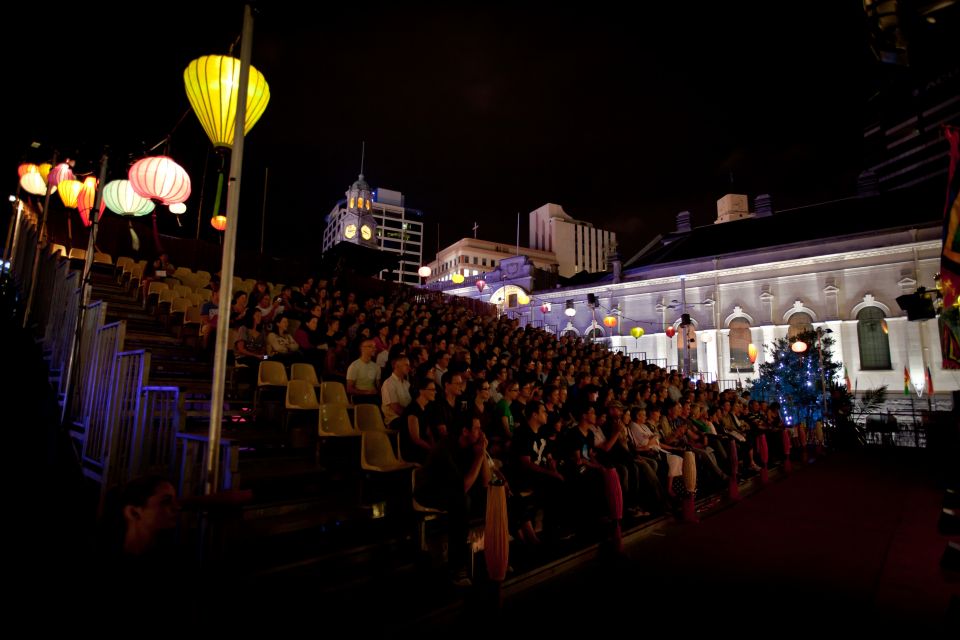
(671, 331)
(26, 168)
(218, 222)
(161, 178)
(88, 194)
(752, 352)
(610, 321)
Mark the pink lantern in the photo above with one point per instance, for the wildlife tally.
(88, 194)
(545, 307)
(481, 285)
(60, 173)
(161, 178)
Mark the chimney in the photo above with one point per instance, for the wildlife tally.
(732, 206)
(867, 184)
(683, 222)
(762, 206)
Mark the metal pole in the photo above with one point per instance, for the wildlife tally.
(41, 241)
(263, 209)
(226, 268)
(87, 287)
(823, 382)
(685, 365)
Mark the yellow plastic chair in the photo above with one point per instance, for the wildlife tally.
(300, 397)
(270, 374)
(334, 422)
(367, 417)
(376, 453)
(304, 371)
(59, 248)
(334, 392)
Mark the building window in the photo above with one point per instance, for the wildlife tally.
(740, 340)
(483, 262)
(474, 259)
(493, 263)
(874, 342)
(800, 322)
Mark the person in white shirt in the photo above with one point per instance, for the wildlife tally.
(363, 376)
(396, 392)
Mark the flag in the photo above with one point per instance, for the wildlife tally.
(846, 380)
(929, 382)
(949, 322)
(906, 382)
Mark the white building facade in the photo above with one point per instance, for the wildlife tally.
(474, 257)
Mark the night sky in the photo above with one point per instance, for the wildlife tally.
(623, 116)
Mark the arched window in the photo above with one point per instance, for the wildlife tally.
(800, 322)
(595, 332)
(740, 340)
(874, 343)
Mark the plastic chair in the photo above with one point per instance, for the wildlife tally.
(304, 371)
(367, 417)
(334, 421)
(423, 513)
(77, 254)
(270, 374)
(59, 248)
(376, 453)
(300, 397)
(334, 392)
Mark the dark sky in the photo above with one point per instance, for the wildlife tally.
(623, 116)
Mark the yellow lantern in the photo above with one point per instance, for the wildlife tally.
(752, 353)
(70, 192)
(637, 332)
(212, 84)
(457, 278)
(45, 169)
(218, 222)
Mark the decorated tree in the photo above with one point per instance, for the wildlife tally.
(795, 377)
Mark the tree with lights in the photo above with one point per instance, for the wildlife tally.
(796, 376)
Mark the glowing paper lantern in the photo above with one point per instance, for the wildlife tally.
(545, 307)
(120, 198)
(34, 183)
(218, 222)
(883, 326)
(570, 311)
(27, 167)
(178, 208)
(457, 278)
(610, 321)
(424, 271)
(671, 331)
(69, 192)
(212, 84)
(45, 168)
(637, 332)
(60, 173)
(752, 353)
(799, 346)
(523, 298)
(88, 194)
(706, 337)
(161, 178)
(481, 285)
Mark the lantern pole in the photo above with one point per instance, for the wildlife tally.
(226, 267)
(86, 284)
(41, 242)
(685, 365)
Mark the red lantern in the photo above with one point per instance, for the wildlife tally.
(481, 285)
(610, 321)
(161, 178)
(671, 331)
(88, 193)
(218, 222)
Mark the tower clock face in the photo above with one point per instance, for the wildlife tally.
(366, 232)
(350, 231)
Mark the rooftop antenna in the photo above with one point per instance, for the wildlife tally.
(363, 152)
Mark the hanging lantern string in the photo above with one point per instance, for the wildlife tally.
(653, 323)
